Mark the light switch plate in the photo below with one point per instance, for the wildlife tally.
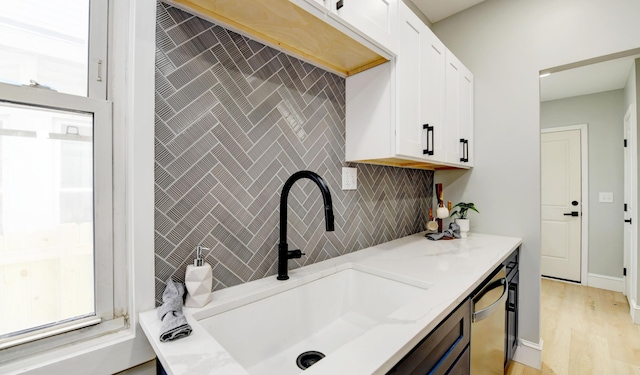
(606, 197)
(349, 178)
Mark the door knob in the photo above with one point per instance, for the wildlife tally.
(574, 203)
(572, 213)
(628, 221)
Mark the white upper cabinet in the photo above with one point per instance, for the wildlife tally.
(459, 112)
(371, 22)
(415, 111)
(375, 19)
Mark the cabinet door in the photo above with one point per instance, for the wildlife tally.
(465, 113)
(443, 349)
(459, 112)
(432, 95)
(409, 128)
(372, 18)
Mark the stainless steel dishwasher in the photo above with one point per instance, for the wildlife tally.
(488, 326)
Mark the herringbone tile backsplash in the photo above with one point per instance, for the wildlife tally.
(234, 119)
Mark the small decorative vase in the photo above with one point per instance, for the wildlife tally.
(464, 227)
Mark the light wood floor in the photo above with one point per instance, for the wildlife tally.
(585, 331)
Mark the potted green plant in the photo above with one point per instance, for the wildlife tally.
(460, 211)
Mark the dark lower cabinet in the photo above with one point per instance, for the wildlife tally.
(461, 367)
(444, 351)
(511, 323)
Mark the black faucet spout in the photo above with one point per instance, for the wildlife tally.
(283, 248)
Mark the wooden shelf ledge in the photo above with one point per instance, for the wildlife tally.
(289, 28)
(406, 163)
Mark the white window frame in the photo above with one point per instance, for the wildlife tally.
(103, 204)
(104, 250)
(130, 82)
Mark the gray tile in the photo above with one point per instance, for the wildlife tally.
(231, 126)
(190, 70)
(197, 155)
(163, 42)
(163, 19)
(191, 91)
(192, 112)
(178, 15)
(163, 87)
(267, 105)
(230, 105)
(192, 48)
(191, 135)
(163, 110)
(188, 29)
(163, 63)
(235, 59)
(233, 121)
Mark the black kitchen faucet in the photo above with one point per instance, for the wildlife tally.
(284, 254)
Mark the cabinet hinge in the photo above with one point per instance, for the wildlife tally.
(625, 143)
(624, 271)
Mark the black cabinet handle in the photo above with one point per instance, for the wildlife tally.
(430, 131)
(628, 221)
(339, 4)
(465, 150)
(572, 213)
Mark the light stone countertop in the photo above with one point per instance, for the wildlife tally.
(452, 269)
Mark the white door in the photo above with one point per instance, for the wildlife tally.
(561, 204)
(629, 167)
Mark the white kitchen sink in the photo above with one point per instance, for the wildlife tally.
(265, 335)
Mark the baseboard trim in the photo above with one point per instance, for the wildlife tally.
(529, 354)
(615, 284)
(635, 311)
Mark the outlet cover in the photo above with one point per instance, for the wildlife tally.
(349, 178)
(606, 197)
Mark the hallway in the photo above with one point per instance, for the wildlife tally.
(585, 331)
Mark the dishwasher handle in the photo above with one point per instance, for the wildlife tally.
(487, 311)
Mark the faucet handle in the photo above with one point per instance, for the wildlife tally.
(291, 254)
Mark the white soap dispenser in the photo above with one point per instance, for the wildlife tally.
(198, 280)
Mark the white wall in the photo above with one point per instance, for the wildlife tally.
(505, 43)
(604, 114)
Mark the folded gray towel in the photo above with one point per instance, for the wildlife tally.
(174, 323)
(452, 232)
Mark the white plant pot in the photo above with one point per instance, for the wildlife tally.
(464, 227)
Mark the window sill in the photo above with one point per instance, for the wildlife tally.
(104, 355)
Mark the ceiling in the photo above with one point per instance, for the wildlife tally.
(588, 79)
(436, 10)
